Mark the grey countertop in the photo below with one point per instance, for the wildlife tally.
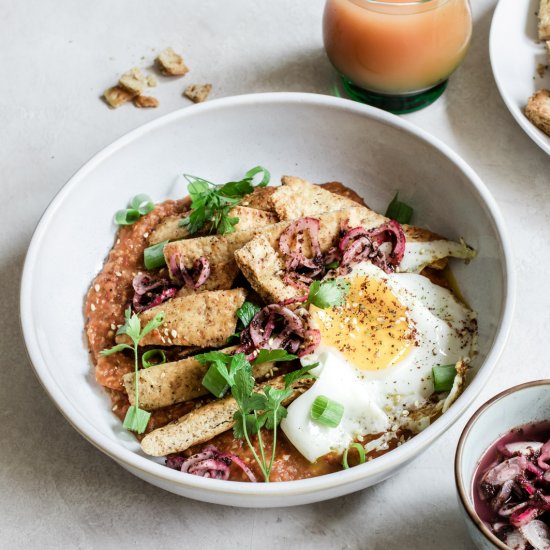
(57, 57)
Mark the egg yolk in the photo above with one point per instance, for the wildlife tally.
(371, 329)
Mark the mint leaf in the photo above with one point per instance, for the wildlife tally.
(272, 356)
(328, 293)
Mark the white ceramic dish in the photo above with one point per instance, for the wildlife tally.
(317, 137)
(515, 53)
(514, 407)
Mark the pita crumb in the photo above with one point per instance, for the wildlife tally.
(146, 102)
(133, 81)
(538, 110)
(197, 93)
(117, 96)
(151, 81)
(171, 63)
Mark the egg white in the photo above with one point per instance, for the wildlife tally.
(376, 401)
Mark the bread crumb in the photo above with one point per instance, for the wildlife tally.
(116, 96)
(541, 69)
(197, 93)
(133, 81)
(538, 110)
(151, 81)
(171, 63)
(146, 102)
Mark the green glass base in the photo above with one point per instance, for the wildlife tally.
(397, 104)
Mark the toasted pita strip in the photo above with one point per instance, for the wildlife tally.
(171, 383)
(544, 20)
(297, 198)
(260, 198)
(206, 319)
(264, 270)
(262, 265)
(249, 218)
(204, 423)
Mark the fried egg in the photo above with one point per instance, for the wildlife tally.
(376, 356)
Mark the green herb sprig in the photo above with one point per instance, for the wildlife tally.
(136, 419)
(256, 409)
(139, 206)
(211, 203)
(328, 293)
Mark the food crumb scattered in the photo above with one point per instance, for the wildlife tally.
(541, 69)
(151, 81)
(116, 96)
(197, 93)
(171, 63)
(146, 102)
(133, 81)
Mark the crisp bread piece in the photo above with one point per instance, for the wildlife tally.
(544, 20)
(205, 319)
(117, 96)
(197, 93)
(171, 63)
(163, 385)
(260, 198)
(297, 198)
(133, 81)
(206, 422)
(538, 110)
(249, 218)
(222, 275)
(146, 102)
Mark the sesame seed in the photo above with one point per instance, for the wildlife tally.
(97, 288)
(165, 331)
(113, 326)
(92, 307)
(173, 333)
(145, 235)
(118, 273)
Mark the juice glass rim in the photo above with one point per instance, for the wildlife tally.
(400, 4)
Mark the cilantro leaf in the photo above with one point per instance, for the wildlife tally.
(247, 312)
(299, 374)
(152, 324)
(253, 424)
(114, 349)
(328, 293)
(212, 356)
(211, 203)
(273, 355)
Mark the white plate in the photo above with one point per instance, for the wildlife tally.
(317, 137)
(515, 53)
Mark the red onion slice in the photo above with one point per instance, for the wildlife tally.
(193, 278)
(150, 292)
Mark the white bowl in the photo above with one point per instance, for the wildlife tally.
(317, 137)
(509, 409)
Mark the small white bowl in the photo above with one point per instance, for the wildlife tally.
(317, 137)
(509, 409)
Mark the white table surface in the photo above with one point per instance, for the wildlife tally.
(56, 490)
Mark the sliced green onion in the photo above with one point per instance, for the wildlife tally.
(142, 203)
(214, 382)
(153, 256)
(127, 217)
(443, 377)
(266, 176)
(399, 211)
(153, 357)
(327, 412)
(136, 419)
(360, 449)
